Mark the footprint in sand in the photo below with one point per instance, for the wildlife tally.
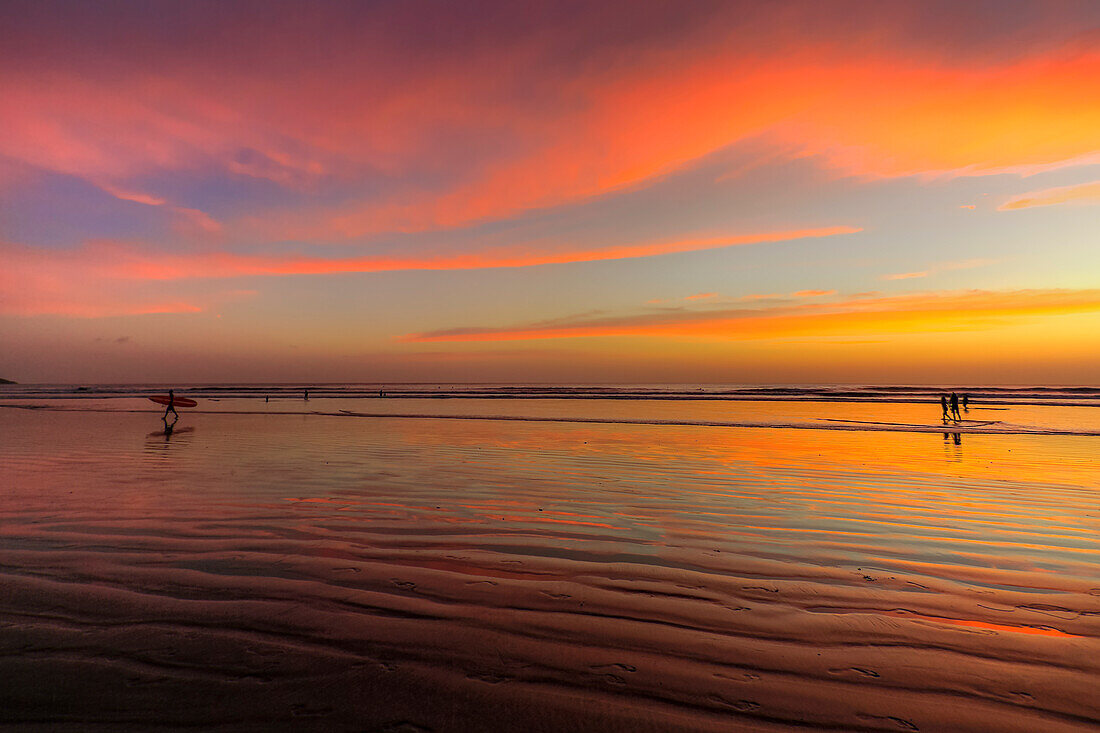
(746, 677)
(556, 596)
(613, 679)
(848, 671)
(900, 723)
(741, 706)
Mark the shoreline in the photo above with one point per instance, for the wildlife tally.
(840, 425)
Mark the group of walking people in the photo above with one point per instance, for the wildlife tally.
(953, 401)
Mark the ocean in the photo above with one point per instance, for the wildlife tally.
(549, 558)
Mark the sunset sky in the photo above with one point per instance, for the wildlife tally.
(642, 191)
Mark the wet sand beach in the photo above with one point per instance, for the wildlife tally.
(299, 571)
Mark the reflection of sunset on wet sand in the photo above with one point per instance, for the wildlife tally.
(362, 572)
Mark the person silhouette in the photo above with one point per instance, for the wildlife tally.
(966, 402)
(955, 407)
(943, 406)
(171, 407)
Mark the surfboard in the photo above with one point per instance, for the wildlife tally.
(163, 399)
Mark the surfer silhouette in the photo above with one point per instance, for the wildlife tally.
(171, 408)
(955, 407)
(943, 406)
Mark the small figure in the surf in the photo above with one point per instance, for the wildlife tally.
(943, 406)
(305, 395)
(955, 407)
(966, 402)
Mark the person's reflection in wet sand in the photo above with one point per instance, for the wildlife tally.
(956, 438)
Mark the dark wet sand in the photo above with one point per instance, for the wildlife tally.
(306, 572)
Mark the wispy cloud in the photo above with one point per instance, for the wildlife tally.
(907, 275)
(918, 312)
(941, 267)
(1084, 193)
(188, 220)
(127, 261)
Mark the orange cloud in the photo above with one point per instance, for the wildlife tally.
(812, 293)
(44, 281)
(913, 313)
(872, 117)
(1085, 193)
(542, 135)
(119, 260)
(700, 296)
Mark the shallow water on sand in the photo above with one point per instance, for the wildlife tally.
(316, 572)
(888, 416)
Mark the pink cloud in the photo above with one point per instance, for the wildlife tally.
(125, 261)
(38, 281)
(486, 128)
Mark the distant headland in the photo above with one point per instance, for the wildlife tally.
(7, 381)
